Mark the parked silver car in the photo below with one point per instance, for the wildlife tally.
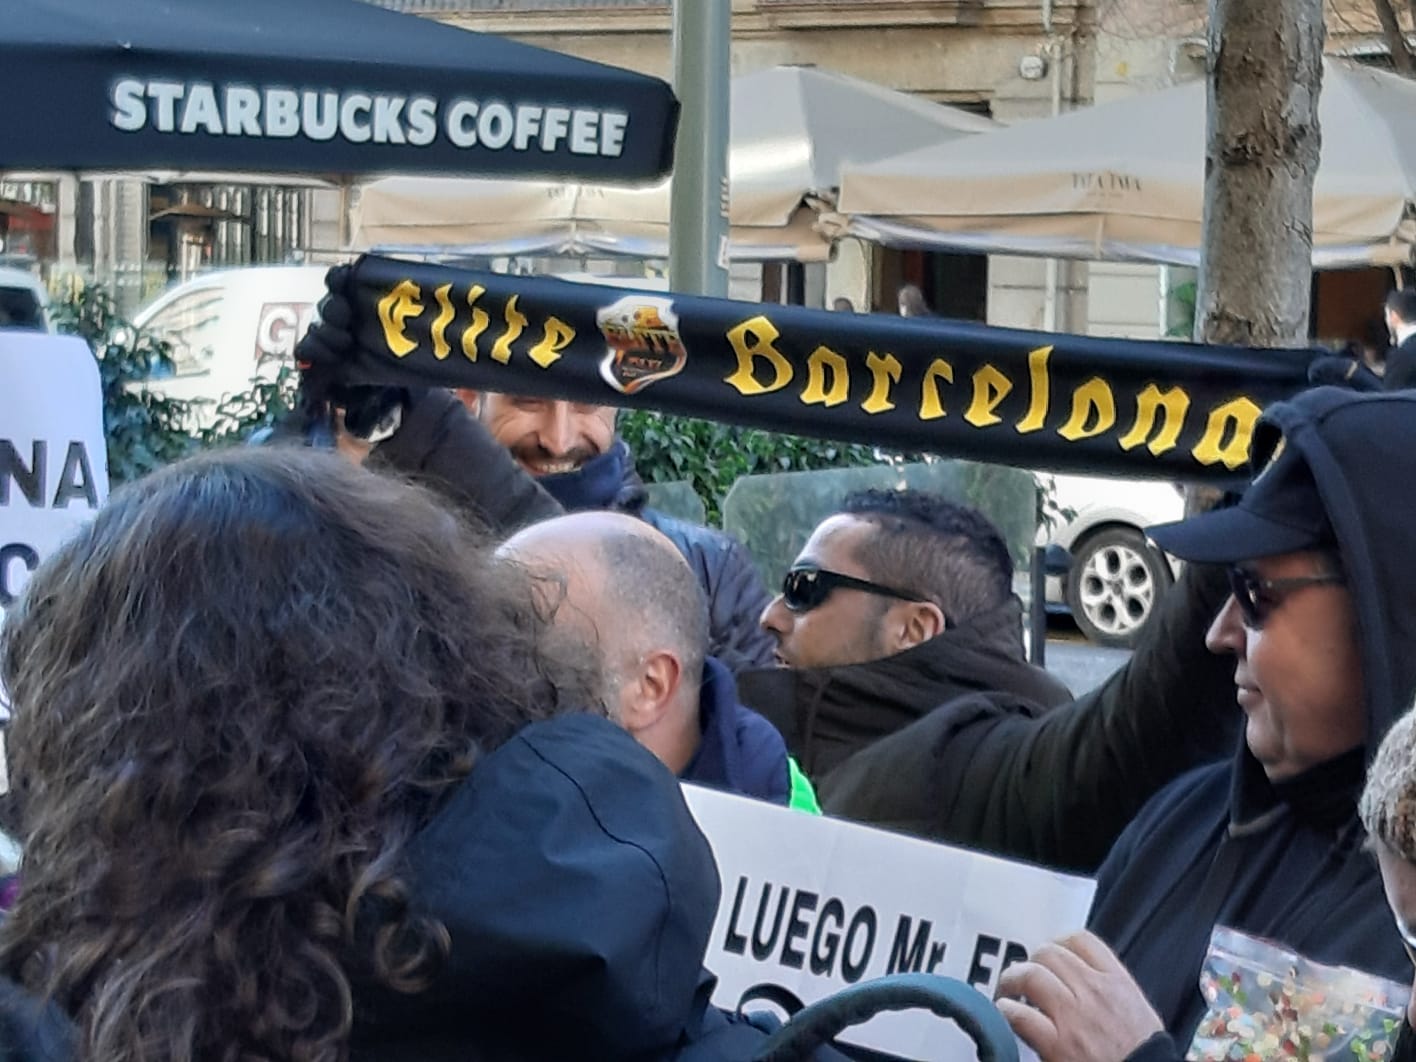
(1116, 575)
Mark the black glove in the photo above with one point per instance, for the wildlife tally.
(319, 355)
(370, 413)
(329, 342)
(1339, 370)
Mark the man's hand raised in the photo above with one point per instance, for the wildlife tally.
(330, 338)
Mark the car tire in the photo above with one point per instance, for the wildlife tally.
(1114, 584)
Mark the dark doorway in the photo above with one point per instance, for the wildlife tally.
(954, 285)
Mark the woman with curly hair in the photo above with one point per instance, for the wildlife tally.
(281, 799)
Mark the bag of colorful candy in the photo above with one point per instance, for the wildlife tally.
(1267, 1003)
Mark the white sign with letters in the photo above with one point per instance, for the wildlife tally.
(278, 112)
(53, 462)
(811, 905)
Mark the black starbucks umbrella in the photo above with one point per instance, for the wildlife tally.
(334, 88)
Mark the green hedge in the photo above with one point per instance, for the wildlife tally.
(713, 456)
(143, 429)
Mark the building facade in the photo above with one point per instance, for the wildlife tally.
(1008, 59)
(1011, 59)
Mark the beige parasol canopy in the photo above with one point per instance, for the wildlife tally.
(793, 128)
(1125, 181)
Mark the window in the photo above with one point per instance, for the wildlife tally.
(190, 324)
(19, 308)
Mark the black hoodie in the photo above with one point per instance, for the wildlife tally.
(1285, 861)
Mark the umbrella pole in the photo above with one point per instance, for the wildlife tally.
(698, 222)
(346, 233)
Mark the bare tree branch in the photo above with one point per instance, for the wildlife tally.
(1401, 58)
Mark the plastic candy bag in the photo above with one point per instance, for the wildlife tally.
(1268, 1003)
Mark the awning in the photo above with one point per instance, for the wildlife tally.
(336, 88)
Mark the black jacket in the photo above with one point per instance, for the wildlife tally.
(830, 714)
(440, 443)
(578, 893)
(1224, 845)
(739, 751)
(1401, 365)
(1003, 772)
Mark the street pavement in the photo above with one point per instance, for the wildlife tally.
(1078, 663)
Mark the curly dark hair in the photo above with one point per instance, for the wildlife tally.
(949, 552)
(237, 694)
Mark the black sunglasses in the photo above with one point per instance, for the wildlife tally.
(807, 587)
(1257, 598)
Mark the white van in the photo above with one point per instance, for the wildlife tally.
(231, 327)
(24, 304)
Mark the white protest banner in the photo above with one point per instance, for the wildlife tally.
(812, 904)
(53, 461)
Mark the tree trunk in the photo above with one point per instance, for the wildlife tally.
(1401, 59)
(1265, 72)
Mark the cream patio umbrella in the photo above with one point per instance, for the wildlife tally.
(793, 128)
(1124, 181)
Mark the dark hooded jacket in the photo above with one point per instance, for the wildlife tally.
(739, 752)
(1285, 861)
(725, 570)
(440, 443)
(993, 765)
(578, 894)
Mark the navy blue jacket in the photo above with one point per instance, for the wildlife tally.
(31, 1030)
(578, 894)
(1223, 845)
(740, 751)
(730, 580)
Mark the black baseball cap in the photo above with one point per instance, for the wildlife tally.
(1280, 512)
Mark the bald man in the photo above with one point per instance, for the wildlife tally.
(623, 590)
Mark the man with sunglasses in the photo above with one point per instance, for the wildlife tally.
(906, 695)
(896, 604)
(1320, 625)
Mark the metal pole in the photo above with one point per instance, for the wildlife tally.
(1038, 612)
(698, 222)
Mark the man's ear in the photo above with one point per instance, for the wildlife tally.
(913, 623)
(471, 398)
(651, 691)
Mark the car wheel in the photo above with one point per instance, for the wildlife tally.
(1115, 581)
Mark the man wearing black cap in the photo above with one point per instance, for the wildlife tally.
(1321, 622)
